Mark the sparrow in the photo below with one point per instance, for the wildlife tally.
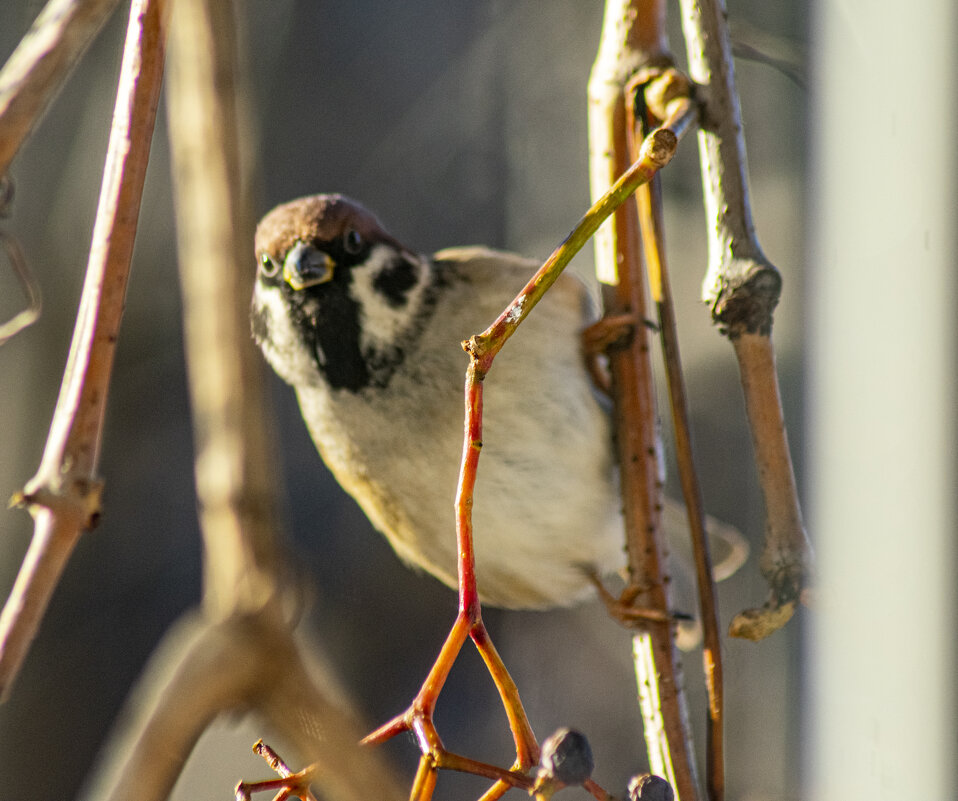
(367, 332)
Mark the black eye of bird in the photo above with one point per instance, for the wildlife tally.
(352, 241)
(268, 265)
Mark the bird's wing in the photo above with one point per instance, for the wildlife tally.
(511, 272)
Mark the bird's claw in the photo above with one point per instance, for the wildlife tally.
(623, 607)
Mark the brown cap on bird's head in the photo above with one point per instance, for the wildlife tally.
(317, 219)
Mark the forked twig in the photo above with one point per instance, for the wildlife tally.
(655, 152)
(288, 785)
(742, 288)
(64, 495)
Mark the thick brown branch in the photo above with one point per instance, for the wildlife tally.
(619, 266)
(742, 288)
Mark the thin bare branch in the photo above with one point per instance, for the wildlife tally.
(239, 653)
(650, 218)
(742, 287)
(290, 783)
(64, 495)
(41, 64)
(655, 152)
(295, 785)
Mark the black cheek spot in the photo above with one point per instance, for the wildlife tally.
(259, 324)
(395, 280)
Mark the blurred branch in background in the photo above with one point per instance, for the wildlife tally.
(239, 652)
(41, 64)
(64, 495)
(28, 284)
(29, 81)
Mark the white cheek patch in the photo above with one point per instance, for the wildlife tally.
(382, 324)
(283, 345)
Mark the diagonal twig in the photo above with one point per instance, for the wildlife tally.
(28, 285)
(64, 495)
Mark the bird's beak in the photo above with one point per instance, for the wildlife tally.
(306, 265)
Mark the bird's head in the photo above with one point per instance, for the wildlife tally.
(337, 299)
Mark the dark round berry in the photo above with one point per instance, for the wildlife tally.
(567, 757)
(650, 788)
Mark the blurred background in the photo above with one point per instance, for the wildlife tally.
(457, 123)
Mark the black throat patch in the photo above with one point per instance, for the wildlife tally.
(327, 317)
(328, 321)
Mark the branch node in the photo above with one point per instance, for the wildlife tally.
(661, 88)
(744, 297)
(659, 147)
(78, 499)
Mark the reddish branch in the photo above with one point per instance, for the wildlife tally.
(634, 42)
(657, 96)
(655, 152)
(64, 495)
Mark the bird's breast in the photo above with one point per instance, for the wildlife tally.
(545, 512)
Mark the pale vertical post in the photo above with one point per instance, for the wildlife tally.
(882, 336)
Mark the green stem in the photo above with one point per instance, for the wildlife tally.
(656, 151)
